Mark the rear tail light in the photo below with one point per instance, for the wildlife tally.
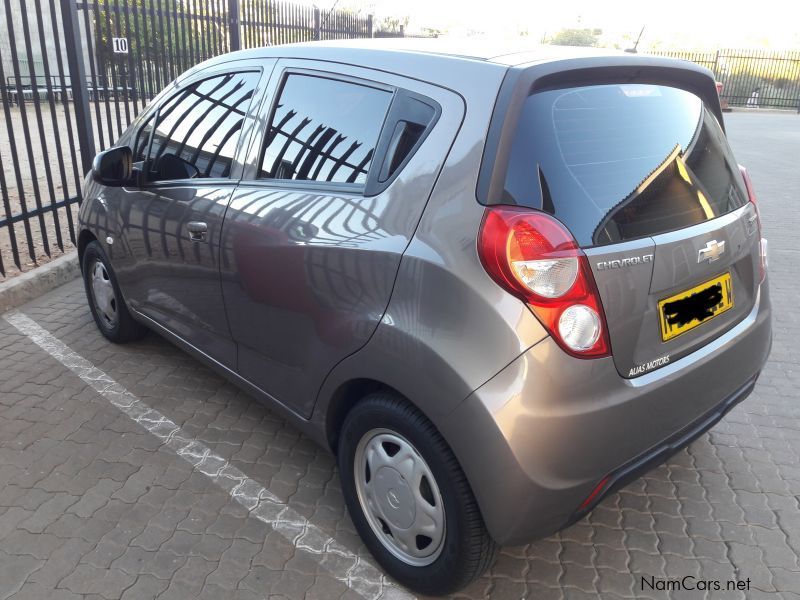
(579, 327)
(533, 256)
(762, 243)
(548, 278)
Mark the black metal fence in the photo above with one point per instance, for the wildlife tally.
(75, 73)
(752, 78)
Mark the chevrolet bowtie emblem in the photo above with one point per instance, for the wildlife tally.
(711, 252)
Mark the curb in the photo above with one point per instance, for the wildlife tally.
(27, 286)
(767, 111)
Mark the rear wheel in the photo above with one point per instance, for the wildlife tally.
(409, 498)
(105, 299)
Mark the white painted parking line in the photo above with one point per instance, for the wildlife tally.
(343, 564)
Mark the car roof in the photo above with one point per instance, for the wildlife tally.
(477, 65)
(374, 52)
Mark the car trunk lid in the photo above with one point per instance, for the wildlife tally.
(668, 295)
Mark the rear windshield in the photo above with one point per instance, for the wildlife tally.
(619, 162)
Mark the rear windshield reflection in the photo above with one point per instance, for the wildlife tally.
(619, 162)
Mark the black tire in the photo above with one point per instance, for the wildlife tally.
(467, 549)
(123, 328)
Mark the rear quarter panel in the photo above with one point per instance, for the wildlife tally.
(448, 327)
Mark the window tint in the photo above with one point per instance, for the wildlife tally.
(619, 162)
(198, 128)
(324, 130)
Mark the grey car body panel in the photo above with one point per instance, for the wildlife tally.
(169, 278)
(534, 447)
(314, 267)
(533, 428)
(672, 268)
(448, 327)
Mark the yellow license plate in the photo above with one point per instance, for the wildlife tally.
(688, 309)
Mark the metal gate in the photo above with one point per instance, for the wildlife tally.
(752, 78)
(75, 73)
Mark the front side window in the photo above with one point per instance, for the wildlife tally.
(324, 130)
(620, 162)
(197, 129)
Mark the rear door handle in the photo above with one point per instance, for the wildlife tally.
(197, 230)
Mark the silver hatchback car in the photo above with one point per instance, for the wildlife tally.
(498, 284)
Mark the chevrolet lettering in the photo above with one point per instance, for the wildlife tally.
(624, 262)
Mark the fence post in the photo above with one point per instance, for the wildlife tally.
(370, 33)
(233, 25)
(317, 24)
(77, 82)
(402, 30)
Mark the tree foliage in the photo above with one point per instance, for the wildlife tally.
(392, 24)
(576, 37)
(169, 37)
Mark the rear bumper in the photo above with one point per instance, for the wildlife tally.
(537, 439)
(661, 452)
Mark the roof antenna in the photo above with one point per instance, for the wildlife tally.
(328, 14)
(633, 50)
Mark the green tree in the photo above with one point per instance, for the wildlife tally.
(167, 37)
(576, 37)
(164, 39)
(392, 24)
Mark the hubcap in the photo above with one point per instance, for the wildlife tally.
(105, 300)
(399, 497)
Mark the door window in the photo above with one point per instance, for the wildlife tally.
(324, 130)
(198, 128)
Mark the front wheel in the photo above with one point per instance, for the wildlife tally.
(105, 299)
(409, 498)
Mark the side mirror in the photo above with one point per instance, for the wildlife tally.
(113, 167)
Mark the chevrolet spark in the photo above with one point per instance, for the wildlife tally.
(497, 284)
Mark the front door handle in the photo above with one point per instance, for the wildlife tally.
(197, 230)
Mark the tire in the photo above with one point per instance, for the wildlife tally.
(106, 303)
(381, 507)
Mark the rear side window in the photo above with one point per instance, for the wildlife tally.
(198, 128)
(620, 162)
(324, 130)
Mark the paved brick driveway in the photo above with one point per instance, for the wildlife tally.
(94, 505)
